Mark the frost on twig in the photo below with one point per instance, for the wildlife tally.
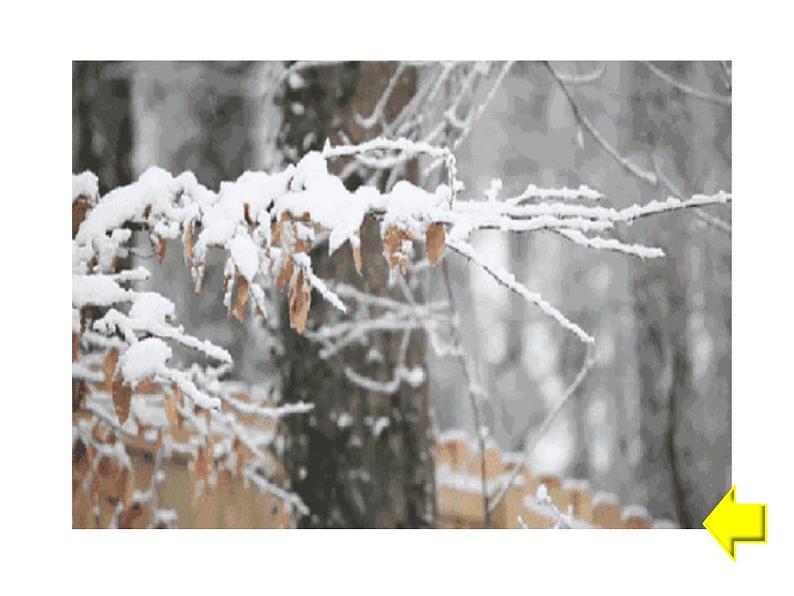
(268, 226)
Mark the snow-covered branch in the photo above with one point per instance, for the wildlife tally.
(269, 225)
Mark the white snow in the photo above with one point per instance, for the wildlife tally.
(154, 188)
(604, 498)
(245, 255)
(151, 309)
(448, 477)
(85, 185)
(97, 290)
(380, 425)
(630, 511)
(143, 359)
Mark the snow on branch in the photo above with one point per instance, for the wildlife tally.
(706, 218)
(509, 281)
(263, 485)
(584, 78)
(268, 225)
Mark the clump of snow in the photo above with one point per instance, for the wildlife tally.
(245, 255)
(155, 189)
(605, 498)
(634, 511)
(453, 434)
(344, 420)
(380, 425)
(149, 414)
(144, 358)
(151, 309)
(295, 81)
(85, 185)
(165, 517)
(539, 506)
(414, 376)
(408, 205)
(257, 190)
(493, 190)
(97, 290)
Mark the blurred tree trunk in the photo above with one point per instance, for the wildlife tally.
(102, 122)
(675, 467)
(347, 474)
(660, 307)
(703, 431)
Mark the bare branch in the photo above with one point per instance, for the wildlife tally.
(691, 91)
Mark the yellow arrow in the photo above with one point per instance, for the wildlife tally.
(731, 522)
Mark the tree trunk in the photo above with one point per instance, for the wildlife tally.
(348, 473)
(102, 116)
(673, 460)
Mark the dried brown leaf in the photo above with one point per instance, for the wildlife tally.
(171, 412)
(356, 248)
(109, 368)
(75, 346)
(393, 239)
(136, 517)
(299, 303)
(241, 298)
(301, 245)
(201, 465)
(79, 392)
(122, 396)
(357, 258)
(187, 241)
(275, 234)
(80, 460)
(160, 251)
(436, 238)
(147, 385)
(102, 434)
(285, 275)
(80, 209)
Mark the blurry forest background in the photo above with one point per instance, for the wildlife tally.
(651, 421)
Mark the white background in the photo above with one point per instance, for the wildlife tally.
(41, 552)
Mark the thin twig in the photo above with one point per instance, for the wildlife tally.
(691, 91)
(706, 218)
(584, 121)
(586, 78)
(589, 360)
